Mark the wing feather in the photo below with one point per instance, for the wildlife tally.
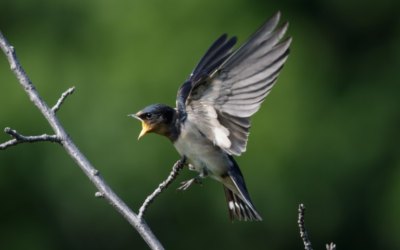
(260, 35)
(217, 52)
(228, 87)
(214, 47)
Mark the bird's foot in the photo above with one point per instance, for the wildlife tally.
(190, 166)
(186, 184)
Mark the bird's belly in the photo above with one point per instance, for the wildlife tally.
(202, 154)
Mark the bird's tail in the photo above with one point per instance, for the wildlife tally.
(239, 202)
(239, 208)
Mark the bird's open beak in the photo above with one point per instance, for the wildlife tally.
(145, 130)
(145, 127)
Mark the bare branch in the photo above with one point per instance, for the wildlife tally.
(62, 99)
(21, 139)
(105, 191)
(174, 173)
(303, 232)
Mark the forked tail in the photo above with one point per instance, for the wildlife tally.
(239, 208)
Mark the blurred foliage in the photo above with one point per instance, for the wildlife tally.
(327, 136)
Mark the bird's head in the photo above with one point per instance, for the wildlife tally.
(156, 118)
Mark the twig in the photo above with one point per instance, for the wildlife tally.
(21, 139)
(303, 232)
(139, 224)
(62, 99)
(174, 173)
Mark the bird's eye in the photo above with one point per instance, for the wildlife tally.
(148, 115)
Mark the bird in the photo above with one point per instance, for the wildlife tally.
(211, 121)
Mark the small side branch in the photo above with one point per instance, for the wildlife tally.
(303, 232)
(62, 99)
(21, 139)
(172, 176)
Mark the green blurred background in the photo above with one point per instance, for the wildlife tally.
(327, 136)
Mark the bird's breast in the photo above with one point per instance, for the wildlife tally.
(201, 152)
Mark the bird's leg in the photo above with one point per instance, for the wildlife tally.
(186, 184)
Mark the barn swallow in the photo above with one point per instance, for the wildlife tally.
(211, 121)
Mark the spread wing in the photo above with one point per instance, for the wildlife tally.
(226, 87)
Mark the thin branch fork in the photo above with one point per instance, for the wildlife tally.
(21, 139)
(63, 138)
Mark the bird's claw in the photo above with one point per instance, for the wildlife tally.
(186, 184)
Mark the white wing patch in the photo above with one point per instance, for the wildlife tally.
(203, 112)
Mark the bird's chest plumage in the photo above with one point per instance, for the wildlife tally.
(201, 152)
